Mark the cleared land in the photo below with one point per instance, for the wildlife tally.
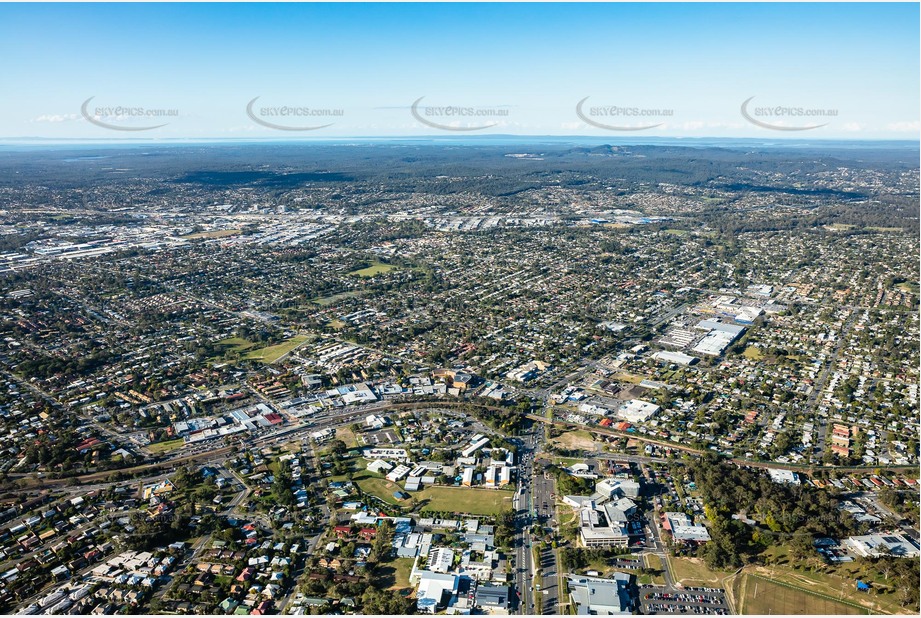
(347, 436)
(693, 572)
(272, 353)
(756, 595)
(465, 500)
(377, 268)
(753, 353)
(579, 439)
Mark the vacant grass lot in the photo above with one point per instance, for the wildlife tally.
(465, 500)
(377, 268)
(756, 595)
(348, 436)
(578, 439)
(693, 572)
(237, 343)
(655, 562)
(394, 575)
(165, 447)
(837, 581)
(324, 301)
(753, 353)
(372, 484)
(272, 353)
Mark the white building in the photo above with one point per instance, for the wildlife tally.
(397, 473)
(637, 410)
(440, 560)
(886, 543)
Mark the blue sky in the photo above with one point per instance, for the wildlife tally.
(682, 69)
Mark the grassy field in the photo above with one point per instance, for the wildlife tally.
(578, 439)
(348, 436)
(324, 301)
(654, 562)
(753, 353)
(272, 353)
(676, 232)
(465, 500)
(165, 447)
(909, 287)
(567, 461)
(884, 229)
(394, 575)
(693, 572)
(237, 343)
(212, 234)
(377, 268)
(372, 484)
(337, 324)
(757, 595)
(628, 377)
(833, 581)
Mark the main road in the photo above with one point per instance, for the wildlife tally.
(524, 567)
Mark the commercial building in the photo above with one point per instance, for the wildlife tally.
(886, 543)
(594, 596)
(675, 357)
(637, 410)
(493, 597)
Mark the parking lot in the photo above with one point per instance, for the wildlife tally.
(624, 564)
(660, 600)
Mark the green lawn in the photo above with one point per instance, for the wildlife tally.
(835, 581)
(372, 484)
(377, 268)
(237, 343)
(272, 353)
(566, 461)
(165, 447)
(753, 353)
(465, 500)
(394, 575)
(757, 595)
(654, 562)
